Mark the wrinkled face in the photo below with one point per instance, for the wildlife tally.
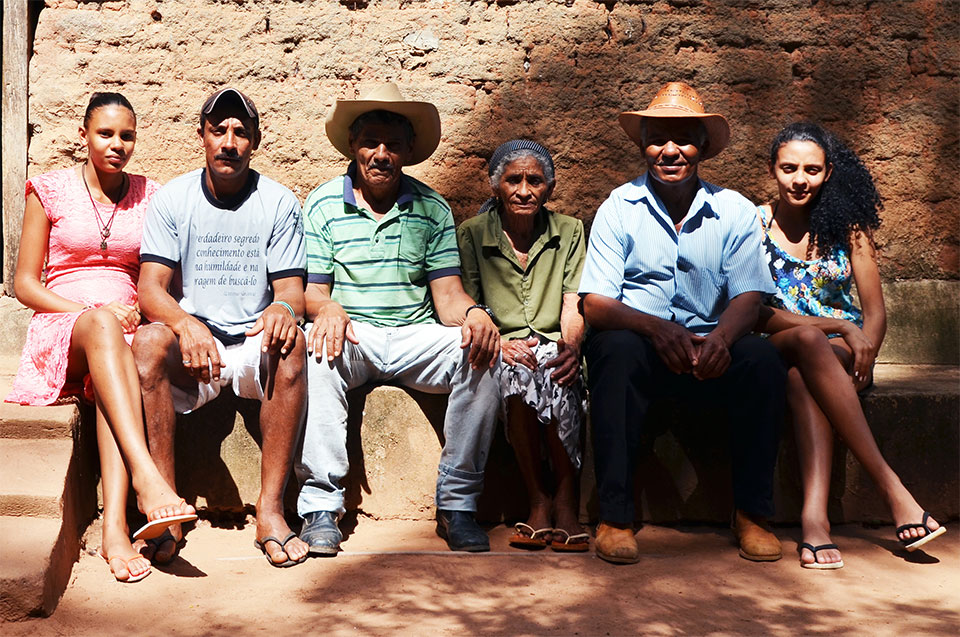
(523, 189)
(381, 151)
(672, 149)
(109, 137)
(229, 138)
(800, 170)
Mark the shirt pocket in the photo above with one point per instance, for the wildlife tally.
(703, 292)
(415, 235)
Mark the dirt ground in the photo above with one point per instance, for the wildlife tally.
(396, 577)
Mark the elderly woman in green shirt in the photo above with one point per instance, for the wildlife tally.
(523, 262)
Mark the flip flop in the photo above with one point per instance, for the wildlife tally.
(528, 538)
(157, 542)
(262, 545)
(577, 543)
(821, 566)
(912, 544)
(126, 562)
(156, 526)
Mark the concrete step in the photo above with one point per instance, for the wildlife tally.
(684, 473)
(36, 558)
(33, 476)
(22, 421)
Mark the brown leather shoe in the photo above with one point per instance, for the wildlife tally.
(757, 543)
(617, 544)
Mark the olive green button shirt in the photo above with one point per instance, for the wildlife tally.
(525, 300)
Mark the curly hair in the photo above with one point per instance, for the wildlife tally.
(848, 201)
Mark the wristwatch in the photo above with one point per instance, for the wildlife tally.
(480, 306)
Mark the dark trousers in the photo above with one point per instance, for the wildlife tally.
(625, 374)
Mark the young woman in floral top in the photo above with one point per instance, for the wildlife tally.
(819, 240)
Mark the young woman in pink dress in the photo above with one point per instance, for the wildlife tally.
(819, 241)
(85, 224)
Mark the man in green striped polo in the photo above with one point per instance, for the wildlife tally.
(387, 305)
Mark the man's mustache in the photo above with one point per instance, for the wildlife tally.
(227, 156)
(381, 165)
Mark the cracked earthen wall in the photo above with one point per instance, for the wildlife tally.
(881, 74)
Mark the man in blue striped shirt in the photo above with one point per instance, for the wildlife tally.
(671, 288)
(387, 304)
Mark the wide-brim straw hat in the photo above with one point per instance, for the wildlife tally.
(386, 97)
(677, 99)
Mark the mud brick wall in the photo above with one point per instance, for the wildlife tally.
(881, 74)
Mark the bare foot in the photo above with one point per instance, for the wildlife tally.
(273, 524)
(817, 533)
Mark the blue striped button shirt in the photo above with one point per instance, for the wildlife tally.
(636, 256)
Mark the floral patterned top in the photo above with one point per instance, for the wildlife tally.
(820, 287)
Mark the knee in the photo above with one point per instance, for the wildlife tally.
(808, 339)
(615, 347)
(104, 324)
(151, 348)
(291, 369)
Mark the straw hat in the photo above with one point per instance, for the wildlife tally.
(677, 99)
(386, 97)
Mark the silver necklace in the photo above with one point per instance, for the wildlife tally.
(104, 228)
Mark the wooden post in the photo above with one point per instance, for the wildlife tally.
(15, 59)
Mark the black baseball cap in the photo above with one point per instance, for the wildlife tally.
(230, 93)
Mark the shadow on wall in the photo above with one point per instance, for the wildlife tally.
(762, 68)
(882, 76)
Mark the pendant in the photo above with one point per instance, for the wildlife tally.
(103, 245)
(105, 233)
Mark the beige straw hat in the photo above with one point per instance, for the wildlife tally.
(677, 99)
(386, 97)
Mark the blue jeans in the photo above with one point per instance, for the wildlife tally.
(425, 357)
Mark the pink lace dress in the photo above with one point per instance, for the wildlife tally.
(77, 269)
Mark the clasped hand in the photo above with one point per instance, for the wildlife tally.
(682, 351)
(128, 315)
(520, 352)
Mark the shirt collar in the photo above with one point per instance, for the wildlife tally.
(404, 196)
(493, 228)
(704, 202)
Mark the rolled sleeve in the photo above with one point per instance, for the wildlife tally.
(573, 266)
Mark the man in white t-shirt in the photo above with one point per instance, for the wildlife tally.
(232, 241)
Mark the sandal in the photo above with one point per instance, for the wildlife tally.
(157, 542)
(131, 578)
(577, 543)
(912, 544)
(823, 566)
(528, 538)
(156, 526)
(262, 545)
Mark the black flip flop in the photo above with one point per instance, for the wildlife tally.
(262, 545)
(912, 544)
(821, 566)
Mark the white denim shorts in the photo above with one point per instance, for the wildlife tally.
(241, 370)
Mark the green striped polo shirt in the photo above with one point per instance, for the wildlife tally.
(380, 270)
